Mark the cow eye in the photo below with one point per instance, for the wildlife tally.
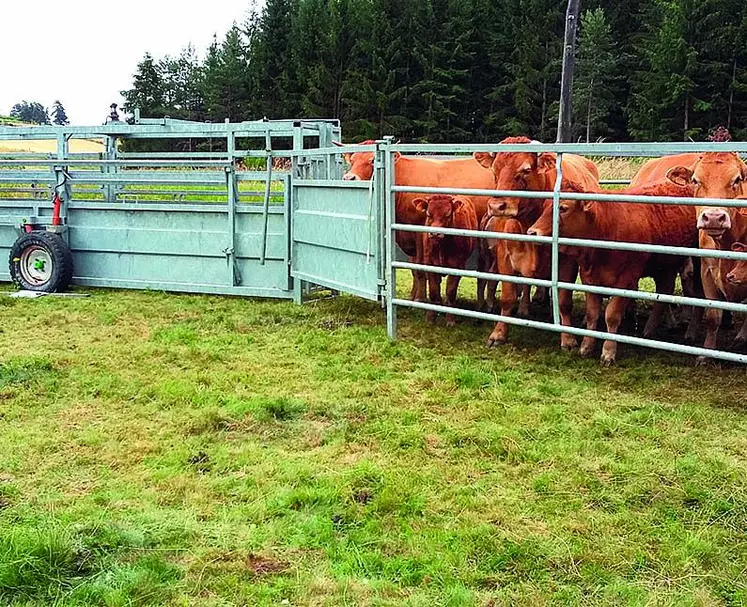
(737, 181)
(695, 182)
(564, 208)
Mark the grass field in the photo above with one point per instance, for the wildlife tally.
(191, 450)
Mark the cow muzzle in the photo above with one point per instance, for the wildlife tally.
(714, 222)
(499, 207)
(733, 279)
(537, 231)
(350, 177)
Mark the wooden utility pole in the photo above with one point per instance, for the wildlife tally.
(566, 81)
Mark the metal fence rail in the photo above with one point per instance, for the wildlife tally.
(556, 195)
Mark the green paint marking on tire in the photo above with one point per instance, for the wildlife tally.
(39, 264)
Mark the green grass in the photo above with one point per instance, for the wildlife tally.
(192, 450)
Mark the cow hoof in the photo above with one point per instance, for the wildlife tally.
(607, 361)
(569, 344)
(450, 322)
(430, 318)
(585, 350)
(494, 342)
(703, 362)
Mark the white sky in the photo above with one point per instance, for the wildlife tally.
(83, 52)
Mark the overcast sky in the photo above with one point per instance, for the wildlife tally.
(84, 52)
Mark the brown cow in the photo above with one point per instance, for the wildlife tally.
(655, 170)
(737, 277)
(717, 175)
(657, 224)
(445, 250)
(509, 257)
(722, 277)
(536, 172)
(428, 172)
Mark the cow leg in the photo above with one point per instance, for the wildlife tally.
(593, 312)
(665, 285)
(452, 285)
(434, 288)
(482, 266)
(414, 288)
(613, 316)
(741, 339)
(508, 301)
(420, 277)
(696, 317)
(491, 286)
(541, 295)
(692, 286)
(713, 316)
(712, 324)
(568, 272)
(525, 301)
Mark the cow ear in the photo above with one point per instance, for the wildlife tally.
(545, 162)
(397, 156)
(739, 247)
(456, 204)
(588, 205)
(421, 204)
(348, 158)
(680, 175)
(484, 158)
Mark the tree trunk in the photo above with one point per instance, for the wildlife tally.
(588, 111)
(566, 82)
(731, 95)
(687, 116)
(544, 108)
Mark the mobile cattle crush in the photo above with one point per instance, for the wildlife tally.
(201, 222)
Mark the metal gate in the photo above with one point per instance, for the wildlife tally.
(336, 236)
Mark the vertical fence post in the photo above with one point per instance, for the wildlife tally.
(111, 154)
(380, 200)
(555, 236)
(391, 271)
(295, 174)
(266, 208)
(63, 189)
(232, 195)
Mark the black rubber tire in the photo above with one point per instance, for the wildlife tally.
(52, 250)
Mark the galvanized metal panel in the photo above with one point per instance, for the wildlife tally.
(336, 237)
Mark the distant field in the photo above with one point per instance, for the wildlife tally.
(49, 146)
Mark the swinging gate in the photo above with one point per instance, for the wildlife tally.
(200, 220)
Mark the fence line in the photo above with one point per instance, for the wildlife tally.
(554, 283)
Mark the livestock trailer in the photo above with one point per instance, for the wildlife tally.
(190, 212)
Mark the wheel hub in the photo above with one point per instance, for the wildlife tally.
(36, 265)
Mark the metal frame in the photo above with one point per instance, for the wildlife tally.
(632, 149)
(117, 182)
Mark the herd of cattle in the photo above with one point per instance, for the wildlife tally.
(709, 175)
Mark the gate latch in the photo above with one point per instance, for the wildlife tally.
(231, 258)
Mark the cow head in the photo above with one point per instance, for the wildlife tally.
(361, 163)
(575, 215)
(738, 274)
(517, 171)
(440, 211)
(714, 175)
